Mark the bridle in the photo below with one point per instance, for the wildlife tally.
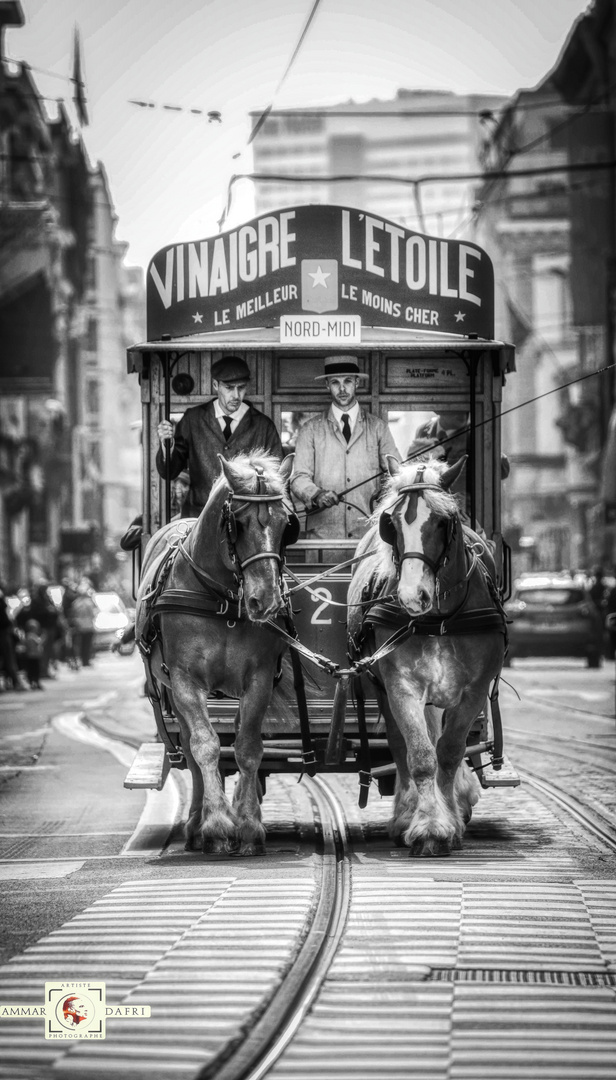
(229, 522)
(387, 529)
(229, 516)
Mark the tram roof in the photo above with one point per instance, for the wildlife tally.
(264, 340)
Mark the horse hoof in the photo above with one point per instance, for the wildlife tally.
(456, 843)
(193, 843)
(430, 847)
(418, 848)
(249, 850)
(398, 841)
(444, 847)
(212, 846)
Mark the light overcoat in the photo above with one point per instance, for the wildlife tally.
(324, 462)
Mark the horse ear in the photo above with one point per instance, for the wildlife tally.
(286, 467)
(452, 473)
(233, 476)
(393, 465)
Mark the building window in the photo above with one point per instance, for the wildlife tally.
(92, 397)
(92, 335)
(347, 153)
(303, 125)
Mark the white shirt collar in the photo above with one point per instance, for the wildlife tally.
(352, 415)
(235, 417)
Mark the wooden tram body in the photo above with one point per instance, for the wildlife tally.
(415, 370)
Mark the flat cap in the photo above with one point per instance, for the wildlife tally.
(231, 369)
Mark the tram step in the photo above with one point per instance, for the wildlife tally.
(506, 776)
(149, 768)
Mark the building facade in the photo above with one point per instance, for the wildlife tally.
(546, 218)
(401, 159)
(68, 306)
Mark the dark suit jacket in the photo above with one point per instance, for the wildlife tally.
(199, 440)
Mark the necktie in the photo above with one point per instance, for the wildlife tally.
(227, 428)
(346, 427)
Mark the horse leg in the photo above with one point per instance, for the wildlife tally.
(458, 784)
(193, 834)
(405, 794)
(466, 790)
(422, 817)
(211, 815)
(248, 754)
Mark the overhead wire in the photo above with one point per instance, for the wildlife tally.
(482, 423)
(525, 148)
(265, 113)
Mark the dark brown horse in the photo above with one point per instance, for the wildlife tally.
(229, 561)
(443, 576)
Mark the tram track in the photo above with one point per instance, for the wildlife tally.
(561, 706)
(258, 1051)
(574, 807)
(556, 746)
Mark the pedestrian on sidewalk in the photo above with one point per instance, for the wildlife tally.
(8, 659)
(34, 645)
(81, 618)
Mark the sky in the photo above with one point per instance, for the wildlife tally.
(169, 171)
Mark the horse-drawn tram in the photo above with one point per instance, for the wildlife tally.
(358, 628)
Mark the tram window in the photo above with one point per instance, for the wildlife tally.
(290, 423)
(404, 424)
(413, 427)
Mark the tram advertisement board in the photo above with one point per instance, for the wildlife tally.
(322, 263)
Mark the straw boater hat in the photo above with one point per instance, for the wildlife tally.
(335, 366)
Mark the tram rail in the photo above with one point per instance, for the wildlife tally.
(257, 1052)
(575, 807)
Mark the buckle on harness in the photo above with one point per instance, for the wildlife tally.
(223, 608)
(175, 757)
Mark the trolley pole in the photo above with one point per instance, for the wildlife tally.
(165, 360)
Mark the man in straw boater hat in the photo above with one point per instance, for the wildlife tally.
(344, 446)
(228, 425)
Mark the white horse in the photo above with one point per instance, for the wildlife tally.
(443, 575)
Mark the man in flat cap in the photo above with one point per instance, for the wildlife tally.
(228, 425)
(344, 446)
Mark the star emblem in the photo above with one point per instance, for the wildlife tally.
(460, 316)
(197, 317)
(319, 278)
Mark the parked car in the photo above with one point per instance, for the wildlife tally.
(553, 615)
(111, 616)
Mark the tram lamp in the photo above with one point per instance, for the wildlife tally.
(183, 384)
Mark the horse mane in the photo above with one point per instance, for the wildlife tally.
(246, 465)
(441, 502)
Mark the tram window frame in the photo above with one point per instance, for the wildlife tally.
(483, 449)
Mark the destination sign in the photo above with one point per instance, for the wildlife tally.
(320, 329)
(320, 260)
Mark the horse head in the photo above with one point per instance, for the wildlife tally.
(257, 523)
(418, 519)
